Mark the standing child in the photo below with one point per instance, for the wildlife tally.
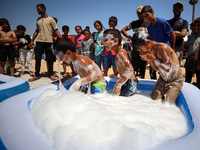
(83, 66)
(7, 38)
(98, 36)
(127, 84)
(24, 50)
(65, 30)
(163, 59)
(78, 38)
(109, 56)
(159, 29)
(87, 45)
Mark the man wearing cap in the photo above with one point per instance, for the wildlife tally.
(138, 25)
(180, 28)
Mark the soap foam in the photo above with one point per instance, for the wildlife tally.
(76, 121)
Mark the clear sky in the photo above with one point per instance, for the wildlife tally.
(85, 12)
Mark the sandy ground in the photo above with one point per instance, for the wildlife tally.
(44, 80)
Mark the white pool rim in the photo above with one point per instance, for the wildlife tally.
(17, 129)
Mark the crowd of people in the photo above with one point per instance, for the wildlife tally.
(107, 51)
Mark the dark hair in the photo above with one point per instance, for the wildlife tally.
(65, 27)
(56, 20)
(197, 20)
(139, 39)
(87, 27)
(113, 19)
(21, 27)
(63, 44)
(99, 22)
(41, 6)
(3, 21)
(116, 34)
(147, 8)
(87, 31)
(80, 28)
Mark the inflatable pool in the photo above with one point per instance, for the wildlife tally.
(17, 129)
(10, 86)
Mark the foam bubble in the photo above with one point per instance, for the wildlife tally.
(75, 121)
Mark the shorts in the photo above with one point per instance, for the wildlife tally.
(168, 90)
(97, 87)
(7, 51)
(109, 60)
(129, 88)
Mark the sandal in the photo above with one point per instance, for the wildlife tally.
(33, 79)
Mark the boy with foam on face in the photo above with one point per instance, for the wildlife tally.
(82, 65)
(163, 59)
(127, 84)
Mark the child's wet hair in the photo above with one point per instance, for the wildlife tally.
(116, 34)
(139, 38)
(63, 44)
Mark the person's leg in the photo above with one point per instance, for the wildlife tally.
(2, 65)
(142, 68)
(188, 77)
(12, 68)
(11, 58)
(28, 59)
(198, 78)
(49, 58)
(173, 89)
(22, 59)
(99, 60)
(38, 56)
(105, 65)
(152, 73)
(158, 90)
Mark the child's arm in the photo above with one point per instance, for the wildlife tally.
(163, 63)
(9, 40)
(92, 75)
(125, 75)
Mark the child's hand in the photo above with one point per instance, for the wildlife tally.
(148, 56)
(116, 90)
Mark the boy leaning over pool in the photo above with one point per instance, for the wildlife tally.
(87, 69)
(163, 59)
(127, 84)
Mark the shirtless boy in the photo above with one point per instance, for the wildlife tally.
(7, 38)
(82, 65)
(163, 59)
(127, 84)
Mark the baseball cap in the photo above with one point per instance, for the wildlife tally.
(178, 3)
(139, 9)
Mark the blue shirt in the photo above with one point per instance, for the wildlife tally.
(98, 47)
(160, 31)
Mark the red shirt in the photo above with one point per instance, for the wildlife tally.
(68, 36)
